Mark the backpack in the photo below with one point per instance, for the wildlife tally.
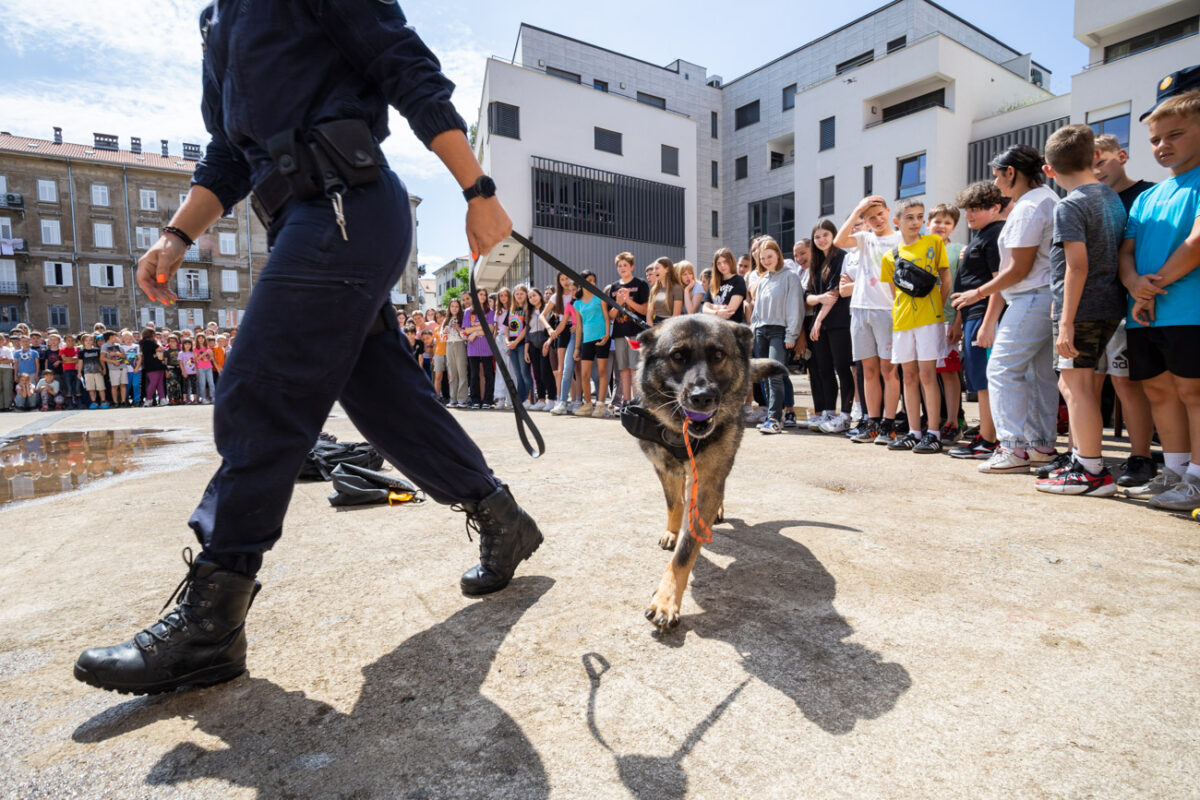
(911, 279)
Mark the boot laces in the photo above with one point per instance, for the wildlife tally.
(482, 523)
(176, 620)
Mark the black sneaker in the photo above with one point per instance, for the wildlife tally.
(1137, 471)
(971, 432)
(1061, 462)
(474, 406)
(928, 444)
(789, 419)
(906, 442)
(950, 433)
(979, 448)
(866, 433)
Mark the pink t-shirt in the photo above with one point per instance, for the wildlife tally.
(204, 358)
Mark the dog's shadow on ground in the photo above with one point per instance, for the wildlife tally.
(774, 605)
(420, 729)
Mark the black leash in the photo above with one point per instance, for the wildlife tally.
(519, 410)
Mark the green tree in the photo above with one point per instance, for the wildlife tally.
(462, 277)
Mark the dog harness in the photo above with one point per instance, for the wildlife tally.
(645, 426)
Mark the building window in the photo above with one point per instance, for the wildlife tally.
(106, 276)
(5, 228)
(651, 100)
(775, 217)
(229, 281)
(826, 197)
(868, 180)
(670, 160)
(227, 244)
(562, 73)
(145, 237)
(58, 273)
(9, 315)
(99, 194)
(897, 44)
(51, 233)
(789, 97)
(1117, 126)
(716, 225)
(828, 133)
(856, 62)
(746, 115)
(1152, 39)
(504, 120)
(110, 318)
(740, 167)
(927, 100)
(716, 171)
(608, 141)
(57, 316)
(712, 121)
(47, 191)
(149, 199)
(600, 86)
(102, 235)
(3, 184)
(910, 176)
(570, 197)
(778, 160)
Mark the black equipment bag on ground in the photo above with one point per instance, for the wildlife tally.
(321, 460)
(355, 486)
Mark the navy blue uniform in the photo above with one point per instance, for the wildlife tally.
(305, 341)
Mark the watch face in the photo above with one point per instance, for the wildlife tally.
(485, 186)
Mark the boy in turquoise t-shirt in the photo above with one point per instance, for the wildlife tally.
(1158, 261)
(918, 326)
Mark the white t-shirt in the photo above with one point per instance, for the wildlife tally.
(869, 291)
(6, 352)
(1029, 224)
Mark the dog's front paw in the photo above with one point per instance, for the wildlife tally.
(667, 540)
(664, 607)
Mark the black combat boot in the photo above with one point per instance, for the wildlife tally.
(507, 536)
(202, 640)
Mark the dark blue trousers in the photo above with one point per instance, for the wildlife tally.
(306, 341)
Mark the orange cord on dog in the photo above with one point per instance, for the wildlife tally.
(695, 522)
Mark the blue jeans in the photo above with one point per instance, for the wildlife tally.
(567, 357)
(205, 390)
(520, 371)
(769, 343)
(135, 387)
(1021, 383)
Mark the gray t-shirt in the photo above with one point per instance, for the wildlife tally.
(1093, 214)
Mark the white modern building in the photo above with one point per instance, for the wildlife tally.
(595, 151)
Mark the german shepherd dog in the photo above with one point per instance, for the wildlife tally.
(699, 367)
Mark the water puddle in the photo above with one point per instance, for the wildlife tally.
(45, 464)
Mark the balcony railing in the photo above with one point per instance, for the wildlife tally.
(195, 255)
(18, 289)
(10, 246)
(195, 294)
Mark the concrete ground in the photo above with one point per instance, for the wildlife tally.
(866, 624)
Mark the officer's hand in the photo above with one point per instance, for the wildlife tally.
(157, 266)
(487, 224)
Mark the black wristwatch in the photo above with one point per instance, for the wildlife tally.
(484, 186)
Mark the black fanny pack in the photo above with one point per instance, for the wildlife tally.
(327, 160)
(911, 279)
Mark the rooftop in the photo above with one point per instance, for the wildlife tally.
(81, 152)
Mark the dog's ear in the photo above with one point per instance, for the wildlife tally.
(647, 338)
(745, 340)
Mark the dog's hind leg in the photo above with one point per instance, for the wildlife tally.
(672, 479)
(664, 607)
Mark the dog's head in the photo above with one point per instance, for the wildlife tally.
(695, 366)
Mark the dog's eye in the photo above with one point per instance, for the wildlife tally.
(718, 356)
(679, 356)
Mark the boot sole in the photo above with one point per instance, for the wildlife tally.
(492, 590)
(205, 677)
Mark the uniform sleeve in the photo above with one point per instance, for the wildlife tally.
(378, 41)
(223, 170)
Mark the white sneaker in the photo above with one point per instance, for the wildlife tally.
(1183, 496)
(1004, 461)
(528, 405)
(559, 409)
(1037, 457)
(814, 421)
(839, 423)
(1162, 482)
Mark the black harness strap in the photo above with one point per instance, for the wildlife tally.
(645, 426)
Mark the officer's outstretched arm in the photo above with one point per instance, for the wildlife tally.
(487, 221)
(199, 211)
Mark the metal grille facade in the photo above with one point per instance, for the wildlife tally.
(981, 152)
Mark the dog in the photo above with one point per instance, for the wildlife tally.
(697, 367)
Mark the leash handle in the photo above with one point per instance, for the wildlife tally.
(579, 280)
(522, 416)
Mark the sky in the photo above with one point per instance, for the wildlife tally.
(111, 66)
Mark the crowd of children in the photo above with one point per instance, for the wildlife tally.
(49, 370)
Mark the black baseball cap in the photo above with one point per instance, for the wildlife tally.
(1176, 83)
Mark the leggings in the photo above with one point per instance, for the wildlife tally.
(482, 389)
(154, 385)
(135, 387)
(543, 374)
(831, 354)
(566, 356)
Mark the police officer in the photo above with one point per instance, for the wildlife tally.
(295, 97)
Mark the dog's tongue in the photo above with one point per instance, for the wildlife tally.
(696, 416)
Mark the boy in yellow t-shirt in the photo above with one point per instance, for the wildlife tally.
(918, 326)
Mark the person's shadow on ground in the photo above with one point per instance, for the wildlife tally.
(774, 604)
(420, 729)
